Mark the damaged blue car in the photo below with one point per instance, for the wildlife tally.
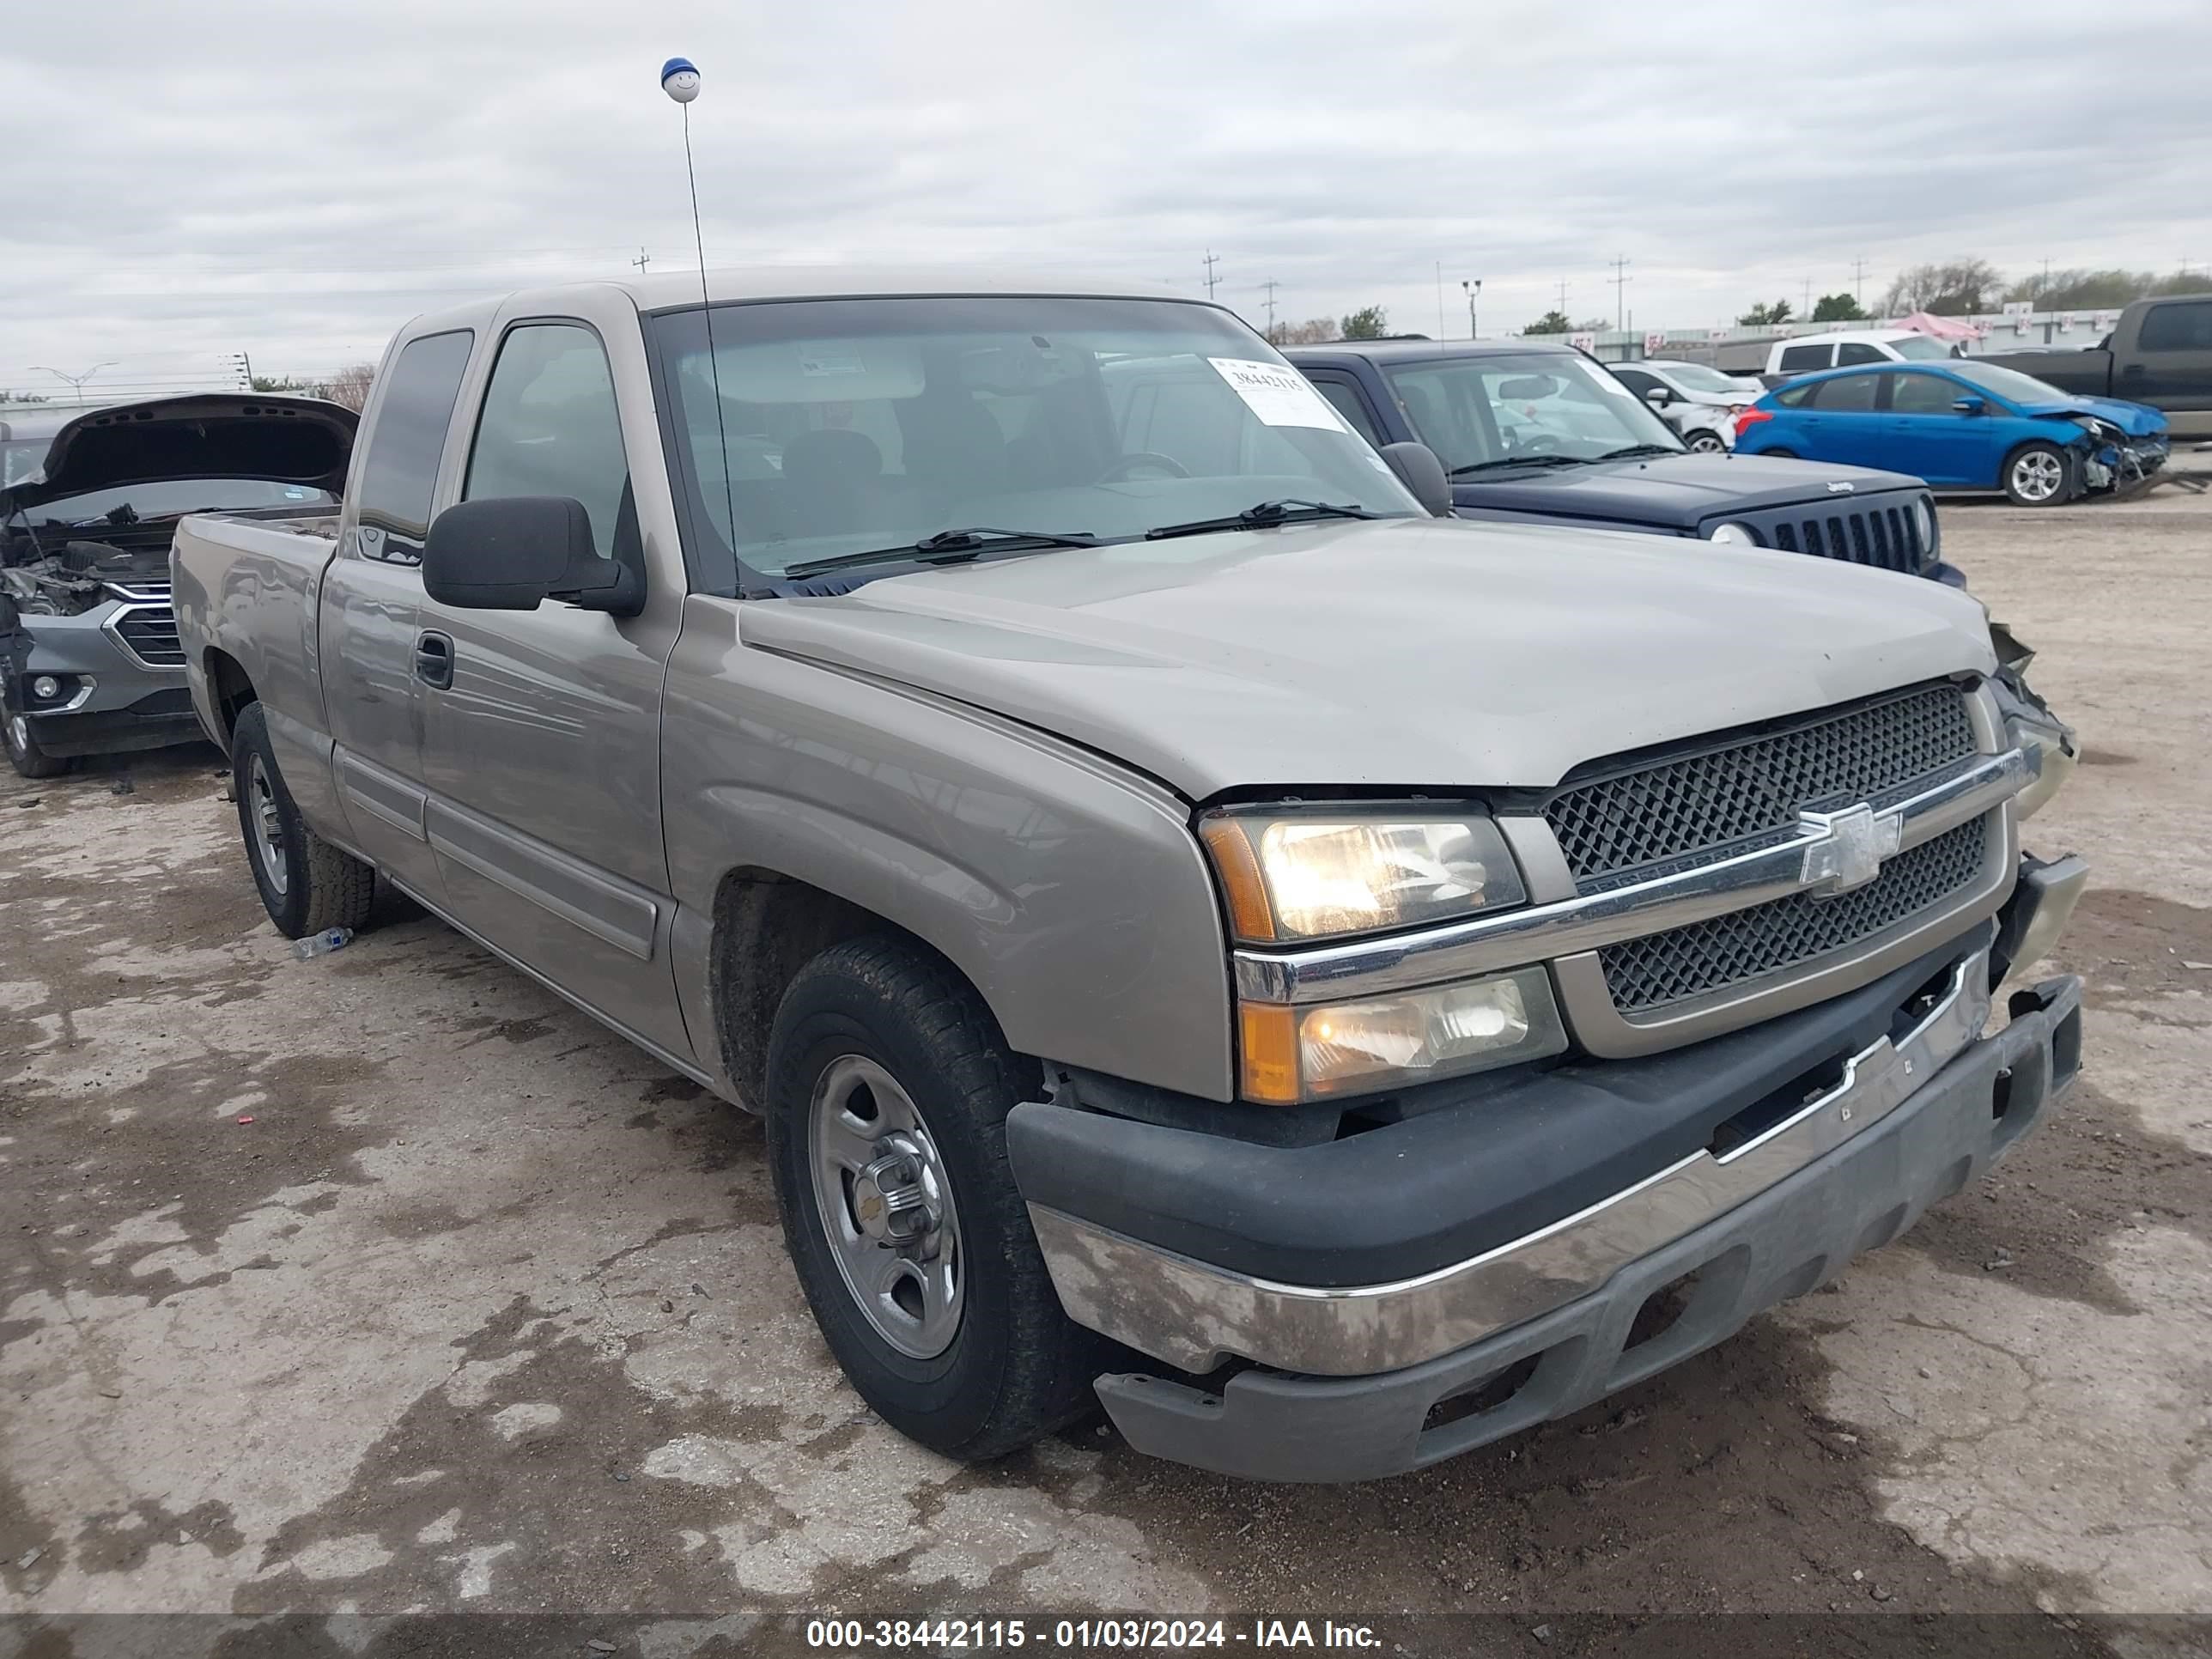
(1961, 425)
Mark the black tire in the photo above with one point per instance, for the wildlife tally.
(1705, 441)
(1781, 455)
(305, 883)
(2038, 475)
(22, 744)
(1016, 1367)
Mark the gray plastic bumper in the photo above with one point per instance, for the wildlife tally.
(1795, 1235)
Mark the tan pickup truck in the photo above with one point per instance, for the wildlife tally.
(1209, 933)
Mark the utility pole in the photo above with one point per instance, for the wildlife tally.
(1619, 279)
(1270, 285)
(245, 370)
(642, 260)
(1474, 287)
(1440, 298)
(1212, 280)
(1858, 283)
(76, 382)
(1806, 311)
(1562, 296)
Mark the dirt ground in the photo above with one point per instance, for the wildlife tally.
(387, 1282)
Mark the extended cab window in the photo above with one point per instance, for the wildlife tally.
(2178, 327)
(548, 426)
(400, 472)
(1797, 359)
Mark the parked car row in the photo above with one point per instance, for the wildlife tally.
(1241, 897)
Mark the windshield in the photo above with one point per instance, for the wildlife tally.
(847, 426)
(1918, 348)
(1476, 410)
(1696, 377)
(2008, 382)
(163, 500)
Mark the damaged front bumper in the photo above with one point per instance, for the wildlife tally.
(106, 698)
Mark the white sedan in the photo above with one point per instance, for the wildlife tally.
(1699, 401)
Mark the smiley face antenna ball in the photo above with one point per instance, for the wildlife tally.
(679, 79)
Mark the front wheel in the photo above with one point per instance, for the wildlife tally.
(887, 1096)
(305, 883)
(24, 753)
(2037, 475)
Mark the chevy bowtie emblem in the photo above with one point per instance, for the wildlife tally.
(1851, 845)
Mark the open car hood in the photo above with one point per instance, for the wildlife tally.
(296, 441)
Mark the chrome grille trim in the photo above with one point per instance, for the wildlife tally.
(147, 633)
(1591, 920)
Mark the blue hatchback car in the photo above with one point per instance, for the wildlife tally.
(1961, 425)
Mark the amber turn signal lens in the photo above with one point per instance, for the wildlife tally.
(1268, 1052)
(1249, 914)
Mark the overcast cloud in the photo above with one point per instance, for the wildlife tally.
(294, 180)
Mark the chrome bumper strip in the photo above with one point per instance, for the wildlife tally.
(1193, 1315)
(1540, 932)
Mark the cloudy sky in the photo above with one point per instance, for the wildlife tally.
(292, 180)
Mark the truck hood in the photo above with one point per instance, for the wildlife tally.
(1432, 654)
(1679, 491)
(301, 440)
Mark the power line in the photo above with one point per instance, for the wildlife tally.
(1620, 279)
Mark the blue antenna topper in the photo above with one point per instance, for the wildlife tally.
(679, 79)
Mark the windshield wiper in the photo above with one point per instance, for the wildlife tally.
(1634, 450)
(1259, 515)
(948, 547)
(1545, 459)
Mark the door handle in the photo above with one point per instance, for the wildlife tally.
(2129, 370)
(433, 659)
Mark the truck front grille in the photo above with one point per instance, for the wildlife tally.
(1706, 957)
(1883, 537)
(1732, 794)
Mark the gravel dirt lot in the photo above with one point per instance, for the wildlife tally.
(483, 1309)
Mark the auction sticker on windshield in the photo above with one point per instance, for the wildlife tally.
(1278, 394)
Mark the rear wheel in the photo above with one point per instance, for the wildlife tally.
(305, 883)
(887, 1096)
(1705, 441)
(2038, 474)
(1781, 455)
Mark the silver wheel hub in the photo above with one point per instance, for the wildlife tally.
(886, 1206)
(2038, 476)
(268, 823)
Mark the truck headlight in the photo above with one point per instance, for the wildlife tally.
(1923, 523)
(1732, 535)
(1288, 1054)
(1291, 875)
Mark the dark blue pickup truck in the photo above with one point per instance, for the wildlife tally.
(1539, 432)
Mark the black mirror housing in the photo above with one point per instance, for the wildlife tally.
(1420, 472)
(513, 553)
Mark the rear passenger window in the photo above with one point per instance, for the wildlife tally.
(1797, 395)
(1850, 394)
(1859, 351)
(400, 472)
(2186, 327)
(1797, 359)
(549, 427)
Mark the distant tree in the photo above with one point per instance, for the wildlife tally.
(2101, 290)
(1553, 321)
(278, 383)
(1593, 326)
(1952, 287)
(8, 397)
(1764, 316)
(348, 385)
(1312, 332)
(1837, 308)
(1368, 323)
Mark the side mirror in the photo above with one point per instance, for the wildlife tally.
(1659, 397)
(1420, 472)
(513, 553)
(1970, 405)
